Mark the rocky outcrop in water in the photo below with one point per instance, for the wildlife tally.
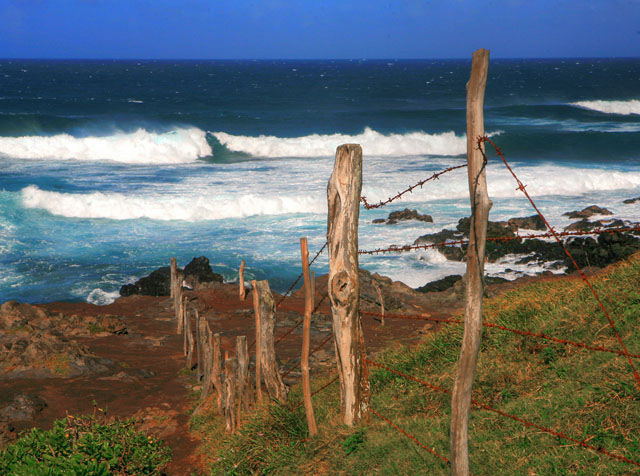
(197, 274)
(588, 212)
(404, 215)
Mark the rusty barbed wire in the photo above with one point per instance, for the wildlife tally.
(316, 392)
(293, 285)
(549, 431)
(523, 189)
(317, 348)
(435, 176)
(594, 231)
(543, 336)
(299, 323)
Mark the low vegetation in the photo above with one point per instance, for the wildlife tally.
(584, 394)
(84, 446)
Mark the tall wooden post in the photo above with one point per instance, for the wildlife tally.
(207, 356)
(256, 311)
(199, 350)
(343, 195)
(306, 329)
(241, 289)
(230, 391)
(178, 302)
(272, 378)
(480, 206)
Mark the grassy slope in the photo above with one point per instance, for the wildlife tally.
(584, 394)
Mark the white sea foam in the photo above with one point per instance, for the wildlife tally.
(625, 108)
(372, 142)
(198, 207)
(102, 298)
(181, 145)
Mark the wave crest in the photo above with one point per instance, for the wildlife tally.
(372, 142)
(181, 145)
(624, 108)
(116, 206)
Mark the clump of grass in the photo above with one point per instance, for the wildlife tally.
(585, 394)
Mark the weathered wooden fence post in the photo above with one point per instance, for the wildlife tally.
(343, 194)
(244, 388)
(381, 299)
(216, 373)
(267, 309)
(199, 350)
(174, 277)
(177, 303)
(256, 311)
(480, 206)
(306, 329)
(241, 289)
(207, 357)
(230, 391)
(313, 288)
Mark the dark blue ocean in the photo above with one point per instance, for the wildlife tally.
(110, 168)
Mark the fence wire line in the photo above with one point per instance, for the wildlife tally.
(582, 443)
(299, 404)
(557, 340)
(408, 435)
(435, 176)
(299, 323)
(595, 231)
(523, 189)
(320, 346)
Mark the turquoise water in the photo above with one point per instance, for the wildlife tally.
(107, 169)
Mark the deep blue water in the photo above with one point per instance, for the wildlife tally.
(109, 168)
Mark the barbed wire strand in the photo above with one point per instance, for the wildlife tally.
(558, 434)
(557, 340)
(523, 189)
(435, 176)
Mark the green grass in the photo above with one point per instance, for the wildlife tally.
(83, 446)
(587, 395)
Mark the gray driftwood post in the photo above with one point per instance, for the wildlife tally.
(343, 195)
(230, 391)
(267, 310)
(216, 372)
(241, 289)
(256, 311)
(242, 356)
(306, 329)
(207, 357)
(480, 206)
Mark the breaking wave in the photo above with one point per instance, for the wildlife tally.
(611, 107)
(117, 206)
(372, 142)
(181, 145)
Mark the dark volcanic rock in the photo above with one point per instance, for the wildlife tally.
(404, 215)
(440, 284)
(588, 212)
(629, 201)
(197, 274)
(586, 225)
(495, 229)
(534, 222)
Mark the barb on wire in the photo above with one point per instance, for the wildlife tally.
(522, 188)
(558, 434)
(557, 340)
(505, 239)
(435, 176)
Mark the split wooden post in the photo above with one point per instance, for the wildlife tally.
(216, 372)
(178, 302)
(185, 323)
(343, 193)
(241, 289)
(267, 307)
(230, 393)
(207, 357)
(380, 298)
(256, 311)
(242, 355)
(480, 206)
(174, 276)
(306, 329)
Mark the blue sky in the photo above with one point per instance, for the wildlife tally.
(318, 28)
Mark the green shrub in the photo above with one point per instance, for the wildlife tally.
(83, 446)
